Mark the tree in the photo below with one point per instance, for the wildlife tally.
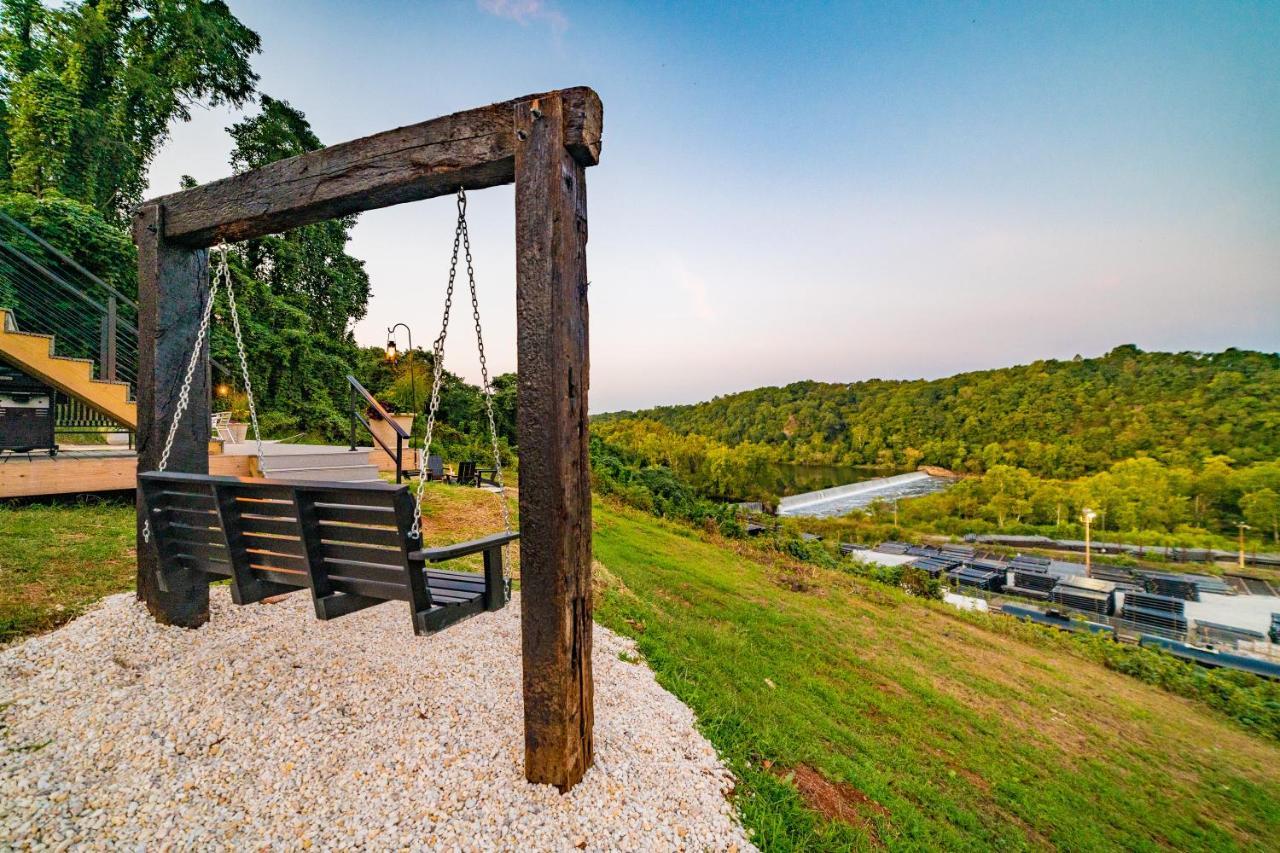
(308, 267)
(299, 293)
(88, 91)
(1262, 510)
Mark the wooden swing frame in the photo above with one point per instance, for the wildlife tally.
(541, 143)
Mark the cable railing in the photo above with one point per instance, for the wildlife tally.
(50, 293)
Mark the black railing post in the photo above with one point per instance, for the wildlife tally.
(353, 417)
(399, 453)
(109, 341)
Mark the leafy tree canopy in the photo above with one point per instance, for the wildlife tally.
(1053, 418)
(88, 91)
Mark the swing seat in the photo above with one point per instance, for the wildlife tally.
(349, 544)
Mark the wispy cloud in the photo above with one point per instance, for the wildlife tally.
(526, 12)
(695, 288)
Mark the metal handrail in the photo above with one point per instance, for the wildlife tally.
(359, 391)
(377, 407)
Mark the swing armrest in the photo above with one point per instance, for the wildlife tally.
(462, 549)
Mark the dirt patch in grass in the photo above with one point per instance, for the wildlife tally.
(835, 800)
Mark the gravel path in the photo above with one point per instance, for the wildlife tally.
(269, 728)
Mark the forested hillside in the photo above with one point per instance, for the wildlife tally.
(1053, 418)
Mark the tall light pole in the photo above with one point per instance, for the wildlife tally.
(391, 356)
(1087, 516)
(1242, 527)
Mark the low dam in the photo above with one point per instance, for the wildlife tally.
(840, 499)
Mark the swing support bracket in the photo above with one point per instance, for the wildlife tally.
(543, 144)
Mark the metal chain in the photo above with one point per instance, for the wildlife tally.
(487, 386)
(462, 239)
(184, 393)
(437, 362)
(225, 271)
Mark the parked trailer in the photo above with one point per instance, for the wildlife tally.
(1209, 658)
(1057, 620)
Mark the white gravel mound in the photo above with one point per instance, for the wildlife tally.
(268, 728)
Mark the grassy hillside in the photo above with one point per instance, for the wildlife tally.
(923, 729)
(1054, 418)
(853, 715)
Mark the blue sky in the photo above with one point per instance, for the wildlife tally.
(831, 191)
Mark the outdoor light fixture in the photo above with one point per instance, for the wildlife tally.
(224, 389)
(391, 349)
(1087, 516)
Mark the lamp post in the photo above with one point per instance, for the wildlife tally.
(1087, 516)
(1242, 527)
(391, 356)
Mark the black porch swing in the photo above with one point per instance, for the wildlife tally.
(353, 545)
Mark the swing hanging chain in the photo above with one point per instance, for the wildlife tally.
(225, 271)
(222, 272)
(437, 372)
(462, 240)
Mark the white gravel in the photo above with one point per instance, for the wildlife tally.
(269, 728)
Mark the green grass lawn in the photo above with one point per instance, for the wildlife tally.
(924, 730)
(57, 559)
(853, 715)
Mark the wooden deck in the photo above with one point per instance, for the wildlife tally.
(87, 469)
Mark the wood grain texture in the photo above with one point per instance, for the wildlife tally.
(473, 149)
(173, 287)
(555, 494)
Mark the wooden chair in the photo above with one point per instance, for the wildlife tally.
(347, 543)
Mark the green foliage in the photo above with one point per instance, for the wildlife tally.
(1052, 418)
(913, 581)
(88, 90)
(308, 267)
(1140, 498)
(656, 489)
(78, 231)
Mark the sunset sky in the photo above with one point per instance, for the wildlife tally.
(826, 191)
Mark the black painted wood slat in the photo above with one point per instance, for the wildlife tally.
(363, 554)
(264, 524)
(274, 508)
(284, 562)
(383, 536)
(350, 514)
(180, 500)
(278, 544)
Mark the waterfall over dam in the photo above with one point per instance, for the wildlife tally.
(840, 499)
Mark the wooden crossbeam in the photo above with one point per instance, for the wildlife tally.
(472, 149)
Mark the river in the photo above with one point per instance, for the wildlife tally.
(840, 499)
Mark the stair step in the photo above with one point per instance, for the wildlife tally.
(343, 474)
(295, 461)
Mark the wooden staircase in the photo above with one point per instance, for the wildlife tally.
(33, 354)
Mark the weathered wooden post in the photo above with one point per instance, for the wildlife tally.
(555, 487)
(173, 284)
(543, 143)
